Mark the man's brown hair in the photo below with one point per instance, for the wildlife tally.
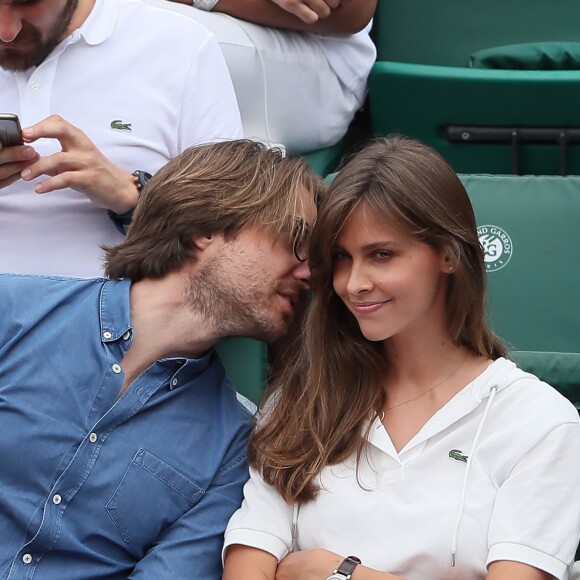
(216, 188)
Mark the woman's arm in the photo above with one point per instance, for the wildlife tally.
(504, 570)
(319, 564)
(245, 563)
(345, 18)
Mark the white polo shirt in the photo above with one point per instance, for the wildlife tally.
(521, 490)
(351, 58)
(144, 84)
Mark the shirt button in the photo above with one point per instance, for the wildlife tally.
(34, 86)
(116, 368)
(127, 335)
(174, 382)
(27, 558)
(93, 437)
(56, 499)
(107, 335)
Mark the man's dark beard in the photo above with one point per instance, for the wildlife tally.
(35, 50)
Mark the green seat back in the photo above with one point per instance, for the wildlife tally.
(530, 229)
(422, 100)
(420, 83)
(246, 363)
(324, 161)
(447, 32)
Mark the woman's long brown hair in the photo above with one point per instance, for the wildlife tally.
(332, 383)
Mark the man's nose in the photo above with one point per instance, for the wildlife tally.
(10, 23)
(302, 271)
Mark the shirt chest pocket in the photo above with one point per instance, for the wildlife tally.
(151, 496)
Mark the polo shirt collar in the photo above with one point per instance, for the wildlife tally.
(115, 309)
(100, 23)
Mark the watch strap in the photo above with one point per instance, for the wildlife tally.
(121, 221)
(206, 5)
(347, 567)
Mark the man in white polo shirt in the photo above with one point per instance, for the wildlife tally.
(299, 68)
(102, 88)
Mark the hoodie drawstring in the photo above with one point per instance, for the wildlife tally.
(295, 510)
(492, 394)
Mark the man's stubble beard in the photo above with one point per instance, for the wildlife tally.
(233, 310)
(41, 49)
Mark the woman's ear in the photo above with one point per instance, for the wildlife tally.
(450, 259)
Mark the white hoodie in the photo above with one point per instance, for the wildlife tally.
(493, 475)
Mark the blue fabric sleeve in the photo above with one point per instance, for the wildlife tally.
(191, 547)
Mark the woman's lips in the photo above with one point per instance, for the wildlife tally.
(368, 307)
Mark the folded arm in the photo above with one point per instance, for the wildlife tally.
(318, 16)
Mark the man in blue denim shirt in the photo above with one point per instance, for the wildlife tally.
(122, 443)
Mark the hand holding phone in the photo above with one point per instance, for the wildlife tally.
(10, 130)
(15, 156)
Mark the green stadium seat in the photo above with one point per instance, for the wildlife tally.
(481, 120)
(246, 364)
(447, 32)
(529, 229)
(325, 161)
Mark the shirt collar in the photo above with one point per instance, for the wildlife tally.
(115, 320)
(115, 309)
(187, 370)
(100, 23)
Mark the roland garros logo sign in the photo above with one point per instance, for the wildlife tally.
(497, 247)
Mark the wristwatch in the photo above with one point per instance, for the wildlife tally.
(346, 568)
(141, 179)
(206, 5)
(122, 221)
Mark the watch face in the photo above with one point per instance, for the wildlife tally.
(336, 577)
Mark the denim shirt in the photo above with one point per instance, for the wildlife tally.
(95, 486)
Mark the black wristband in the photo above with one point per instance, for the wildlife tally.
(121, 221)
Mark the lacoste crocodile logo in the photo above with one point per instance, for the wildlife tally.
(118, 125)
(457, 455)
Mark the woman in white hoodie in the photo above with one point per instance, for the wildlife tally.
(399, 441)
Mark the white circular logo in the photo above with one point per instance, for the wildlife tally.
(497, 247)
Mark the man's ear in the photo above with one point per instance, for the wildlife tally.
(203, 242)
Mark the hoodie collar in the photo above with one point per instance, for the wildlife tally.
(499, 374)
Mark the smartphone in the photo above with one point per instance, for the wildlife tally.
(10, 130)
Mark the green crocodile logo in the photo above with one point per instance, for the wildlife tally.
(457, 455)
(118, 125)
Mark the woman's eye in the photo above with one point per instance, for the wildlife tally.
(382, 254)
